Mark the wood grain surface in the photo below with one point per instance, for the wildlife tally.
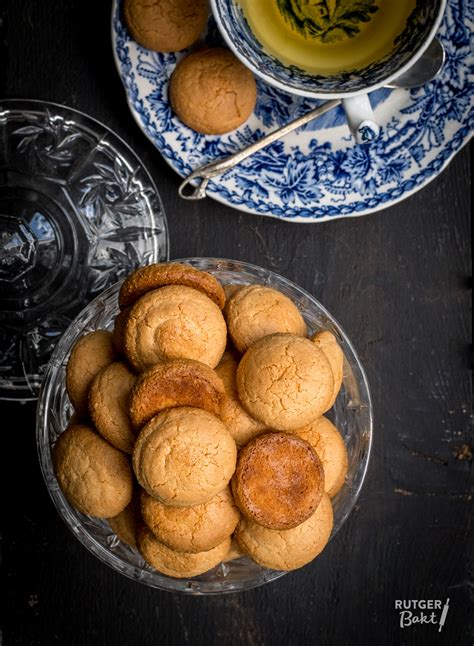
(398, 281)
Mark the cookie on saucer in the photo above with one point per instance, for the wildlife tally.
(165, 25)
(212, 92)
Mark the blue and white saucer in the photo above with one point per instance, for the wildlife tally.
(317, 173)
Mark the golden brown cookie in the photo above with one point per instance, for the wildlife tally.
(174, 322)
(255, 311)
(285, 381)
(184, 456)
(212, 92)
(89, 355)
(145, 279)
(329, 445)
(239, 423)
(165, 25)
(178, 564)
(326, 341)
(126, 523)
(94, 477)
(119, 330)
(109, 397)
(191, 529)
(287, 549)
(180, 382)
(279, 480)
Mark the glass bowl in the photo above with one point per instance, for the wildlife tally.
(78, 212)
(352, 414)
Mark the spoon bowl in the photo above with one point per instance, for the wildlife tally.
(427, 67)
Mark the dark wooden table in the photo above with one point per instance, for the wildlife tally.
(399, 283)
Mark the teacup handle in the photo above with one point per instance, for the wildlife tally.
(361, 119)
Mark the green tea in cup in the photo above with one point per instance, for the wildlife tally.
(327, 37)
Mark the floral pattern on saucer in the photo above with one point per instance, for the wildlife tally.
(317, 173)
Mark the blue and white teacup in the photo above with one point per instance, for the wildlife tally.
(368, 43)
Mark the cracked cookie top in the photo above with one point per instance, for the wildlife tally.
(165, 25)
(285, 381)
(184, 456)
(255, 311)
(191, 529)
(94, 476)
(287, 549)
(212, 92)
(174, 322)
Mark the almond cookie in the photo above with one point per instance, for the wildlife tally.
(285, 381)
(165, 25)
(94, 477)
(89, 355)
(174, 322)
(279, 480)
(212, 92)
(151, 277)
(256, 311)
(109, 405)
(181, 382)
(191, 529)
(240, 425)
(326, 341)
(178, 564)
(287, 549)
(329, 445)
(184, 456)
(126, 523)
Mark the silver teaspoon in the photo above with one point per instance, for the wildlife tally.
(423, 71)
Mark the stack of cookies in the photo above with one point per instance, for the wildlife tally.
(199, 427)
(210, 90)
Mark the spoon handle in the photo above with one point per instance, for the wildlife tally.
(205, 173)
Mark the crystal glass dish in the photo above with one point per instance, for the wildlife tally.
(352, 415)
(78, 211)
